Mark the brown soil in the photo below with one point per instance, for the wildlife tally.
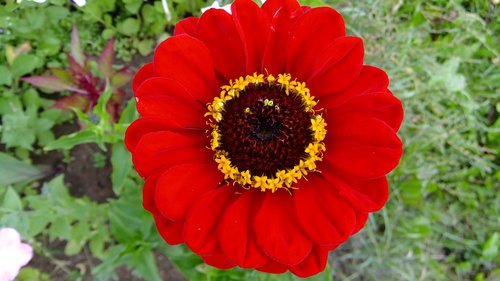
(83, 178)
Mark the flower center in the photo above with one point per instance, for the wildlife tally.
(265, 132)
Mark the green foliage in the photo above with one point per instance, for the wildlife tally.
(441, 222)
(22, 123)
(15, 171)
(98, 127)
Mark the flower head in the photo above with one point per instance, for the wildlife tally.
(13, 254)
(264, 141)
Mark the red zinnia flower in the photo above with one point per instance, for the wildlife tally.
(264, 141)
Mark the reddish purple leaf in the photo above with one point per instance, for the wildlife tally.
(76, 47)
(121, 78)
(62, 74)
(71, 102)
(106, 59)
(76, 68)
(49, 82)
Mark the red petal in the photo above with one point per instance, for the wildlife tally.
(236, 235)
(273, 7)
(283, 15)
(370, 80)
(146, 125)
(146, 72)
(313, 264)
(364, 147)
(364, 194)
(148, 192)
(383, 106)
(180, 112)
(324, 216)
(314, 31)
(253, 27)
(337, 67)
(161, 86)
(219, 261)
(164, 149)
(188, 61)
(217, 31)
(277, 231)
(165, 98)
(186, 26)
(272, 266)
(200, 229)
(170, 231)
(361, 218)
(180, 186)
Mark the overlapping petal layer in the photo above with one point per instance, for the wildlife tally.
(222, 222)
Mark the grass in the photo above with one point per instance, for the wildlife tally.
(443, 61)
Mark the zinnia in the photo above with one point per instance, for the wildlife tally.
(264, 141)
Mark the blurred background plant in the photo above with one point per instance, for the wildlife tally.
(87, 80)
(67, 183)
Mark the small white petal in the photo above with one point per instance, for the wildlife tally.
(13, 254)
(80, 3)
(216, 5)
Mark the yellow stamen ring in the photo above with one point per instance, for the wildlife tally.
(283, 178)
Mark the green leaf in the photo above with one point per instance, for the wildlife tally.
(121, 78)
(69, 141)
(491, 247)
(49, 82)
(57, 193)
(100, 109)
(12, 201)
(106, 59)
(60, 228)
(24, 64)
(37, 222)
(73, 247)
(133, 6)
(32, 274)
(17, 130)
(80, 231)
(448, 76)
(145, 47)
(411, 192)
(129, 114)
(76, 46)
(145, 264)
(128, 220)
(56, 13)
(121, 160)
(98, 241)
(129, 26)
(14, 171)
(5, 75)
